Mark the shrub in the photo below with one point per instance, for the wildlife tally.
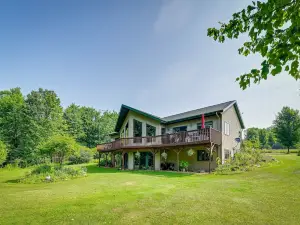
(183, 165)
(84, 156)
(51, 173)
(245, 160)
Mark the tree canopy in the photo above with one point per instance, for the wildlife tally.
(28, 122)
(261, 137)
(3, 152)
(287, 127)
(273, 28)
(59, 146)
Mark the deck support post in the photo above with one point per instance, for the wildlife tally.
(153, 151)
(123, 160)
(99, 157)
(177, 151)
(210, 149)
(113, 159)
(106, 159)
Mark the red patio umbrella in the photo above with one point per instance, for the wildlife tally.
(203, 122)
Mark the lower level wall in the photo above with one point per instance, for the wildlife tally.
(194, 164)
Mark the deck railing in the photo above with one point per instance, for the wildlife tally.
(205, 135)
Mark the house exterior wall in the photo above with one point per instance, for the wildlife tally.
(228, 141)
(192, 124)
(194, 164)
(145, 120)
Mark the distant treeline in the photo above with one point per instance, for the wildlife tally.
(27, 122)
(284, 133)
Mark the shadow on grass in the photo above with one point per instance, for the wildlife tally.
(170, 174)
(15, 181)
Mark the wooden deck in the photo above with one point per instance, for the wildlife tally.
(194, 137)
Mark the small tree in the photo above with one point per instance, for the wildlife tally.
(3, 152)
(263, 138)
(59, 145)
(287, 127)
(252, 135)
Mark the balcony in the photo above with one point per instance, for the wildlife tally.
(183, 138)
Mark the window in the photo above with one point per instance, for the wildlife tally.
(163, 131)
(227, 154)
(178, 129)
(203, 155)
(137, 131)
(150, 130)
(150, 133)
(126, 130)
(207, 125)
(226, 128)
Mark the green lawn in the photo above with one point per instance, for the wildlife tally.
(265, 196)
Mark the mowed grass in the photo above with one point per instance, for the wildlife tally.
(265, 196)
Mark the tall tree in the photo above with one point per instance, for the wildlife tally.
(274, 32)
(271, 137)
(263, 138)
(252, 135)
(107, 124)
(72, 116)
(43, 106)
(3, 153)
(11, 120)
(90, 125)
(287, 127)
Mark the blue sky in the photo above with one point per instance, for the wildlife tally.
(153, 55)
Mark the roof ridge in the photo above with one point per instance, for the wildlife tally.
(232, 101)
(142, 111)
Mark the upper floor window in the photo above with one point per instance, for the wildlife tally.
(126, 133)
(207, 125)
(226, 128)
(150, 130)
(137, 128)
(178, 129)
(163, 131)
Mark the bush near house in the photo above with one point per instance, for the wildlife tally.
(245, 160)
(83, 156)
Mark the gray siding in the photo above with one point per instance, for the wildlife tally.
(228, 141)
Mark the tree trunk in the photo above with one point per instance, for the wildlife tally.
(288, 150)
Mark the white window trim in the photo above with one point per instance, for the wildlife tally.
(226, 128)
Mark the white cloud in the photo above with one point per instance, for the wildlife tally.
(174, 15)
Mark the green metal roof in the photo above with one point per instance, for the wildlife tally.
(193, 114)
(124, 111)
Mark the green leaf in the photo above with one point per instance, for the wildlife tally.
(276, 70)
(287, 68)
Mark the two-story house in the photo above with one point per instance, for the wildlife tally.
(177, 135)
